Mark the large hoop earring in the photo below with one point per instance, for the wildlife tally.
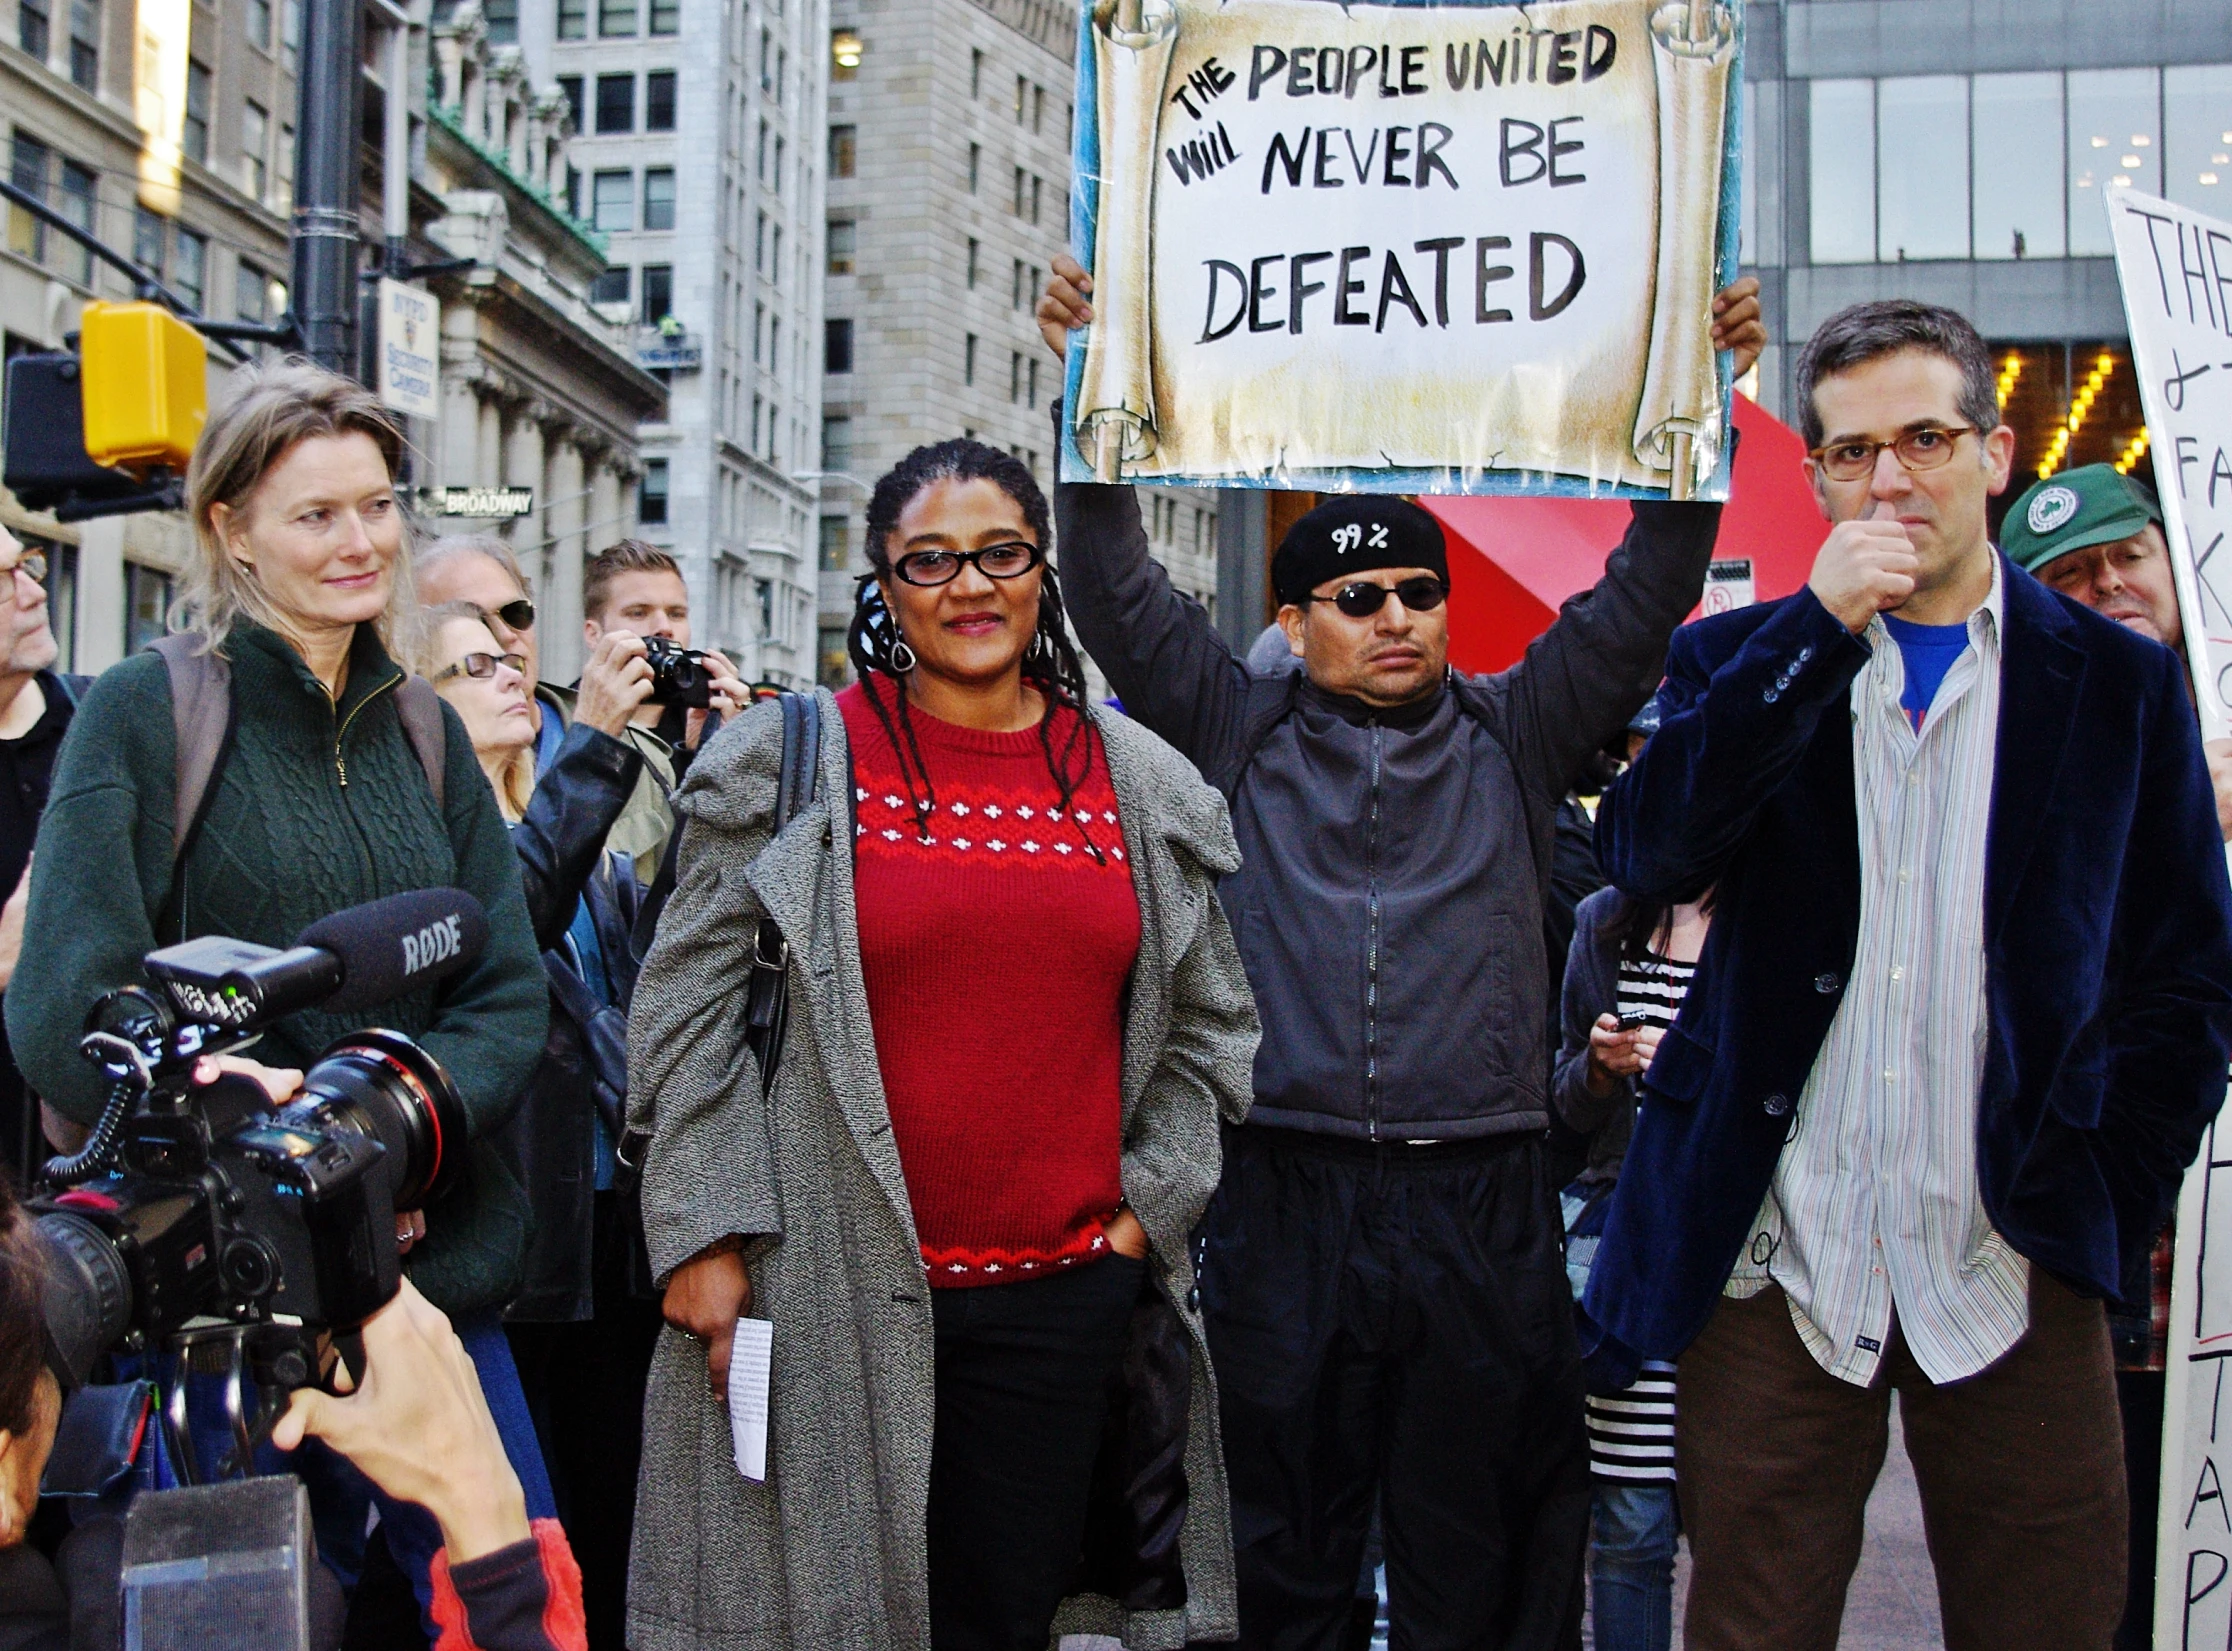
(1040, 650)
(902, 657)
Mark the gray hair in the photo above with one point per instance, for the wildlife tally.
(451, 546)
(274, 407)
(1863, 333)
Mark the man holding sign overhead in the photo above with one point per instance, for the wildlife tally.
(1382, 1279)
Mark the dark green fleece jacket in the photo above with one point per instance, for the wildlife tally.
(318, 806)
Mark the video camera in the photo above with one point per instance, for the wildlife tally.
(201, 1213)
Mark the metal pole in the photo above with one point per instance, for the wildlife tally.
(327, 125)
(395, 165)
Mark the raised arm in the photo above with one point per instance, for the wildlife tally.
(572, 811)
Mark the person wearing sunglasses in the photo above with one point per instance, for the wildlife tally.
(1382, 1275)
(1016, 1021)
(36, 705)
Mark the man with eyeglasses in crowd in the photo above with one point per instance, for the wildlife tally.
(1383, 1277)
(1960, 1024)
(36, 704)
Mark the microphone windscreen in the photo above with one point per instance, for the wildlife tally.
(393, 946)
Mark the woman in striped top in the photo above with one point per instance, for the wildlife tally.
(1626, 977)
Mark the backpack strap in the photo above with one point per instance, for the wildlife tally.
(201, 715)
(420, 707)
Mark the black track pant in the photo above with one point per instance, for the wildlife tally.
(1393, 1323)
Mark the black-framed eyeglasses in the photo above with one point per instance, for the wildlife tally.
(481, 667)
(1925, 449)
(1364, 598)
(941, 567)
(517, 616)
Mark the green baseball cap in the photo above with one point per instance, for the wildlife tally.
(2091, 505)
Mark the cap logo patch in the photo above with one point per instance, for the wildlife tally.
(1346, 538)
(2051, 508)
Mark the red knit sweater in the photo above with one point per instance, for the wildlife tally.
(996, 957)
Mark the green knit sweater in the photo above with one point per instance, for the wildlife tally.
(318, 806)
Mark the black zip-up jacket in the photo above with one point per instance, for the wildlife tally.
(551, 1144)
(1389, 904)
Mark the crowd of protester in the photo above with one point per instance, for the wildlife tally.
(1195, 1156)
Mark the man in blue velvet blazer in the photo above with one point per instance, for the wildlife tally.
(1962, 1019)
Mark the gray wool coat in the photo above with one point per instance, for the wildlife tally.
(830, 1551)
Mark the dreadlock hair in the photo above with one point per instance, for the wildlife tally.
(1050, 662)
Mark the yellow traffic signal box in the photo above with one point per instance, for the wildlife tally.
(146, 386)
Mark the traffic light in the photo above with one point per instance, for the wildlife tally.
(107, 431)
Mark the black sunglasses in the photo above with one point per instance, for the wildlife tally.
(517, 616)
(1363, 599)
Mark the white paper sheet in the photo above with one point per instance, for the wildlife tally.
(750, 1359)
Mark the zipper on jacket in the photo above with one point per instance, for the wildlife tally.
(1371, 947)
(341, 729)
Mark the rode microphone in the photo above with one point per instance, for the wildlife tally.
(387, 948)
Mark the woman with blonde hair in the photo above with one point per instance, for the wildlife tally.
(322, 796)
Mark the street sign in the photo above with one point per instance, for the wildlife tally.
(410, 339)
(484, 501)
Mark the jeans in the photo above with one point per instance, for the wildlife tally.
(1632, 1571)
(1022, 1390)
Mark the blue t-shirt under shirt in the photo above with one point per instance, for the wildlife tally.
(1929, 652)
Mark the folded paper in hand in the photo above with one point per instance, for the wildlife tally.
(750, 1357)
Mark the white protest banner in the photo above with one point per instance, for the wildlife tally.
(2175, 266)
(1446, 248)
(410, 341)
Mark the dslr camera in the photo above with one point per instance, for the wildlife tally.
(677, 674)
(202, 1213)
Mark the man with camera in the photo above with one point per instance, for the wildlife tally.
(664, 723)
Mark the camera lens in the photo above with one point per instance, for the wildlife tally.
(383, 1085)
(87, 1294)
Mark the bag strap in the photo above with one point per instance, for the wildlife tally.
(201, 715)
(420, 709)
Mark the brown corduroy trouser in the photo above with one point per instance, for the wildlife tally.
(2020, 1469)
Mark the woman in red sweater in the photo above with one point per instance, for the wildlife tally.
(1038, 1056)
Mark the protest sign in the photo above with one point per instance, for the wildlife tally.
(2175, 266)
(1443, 248)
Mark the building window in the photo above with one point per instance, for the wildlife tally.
(836, 535)
(1015, 375)
(256, 15)
(839, 247)
(976, 74)
(33, 27)
(2015, 142)
(833, 667)
(1022, 97)
(759, 244)
(1030, 382)
(612, 286)
(251, 292)
(27, 170)
(1036, 184)
(612, 201)
(616, 17)
(658, 293)
(195, 135)
(837, 450)
(616, 103)
(2196, 135)
(1022, 191)
(1038, 107)
(1015, 283)
(2115, 118)
(573, 19)
(255, 146)
(968, 359)
(658, 101)
(1841, 175)
(651, 494)
(78, 187)
(837, 346)
(570, 87)
(189, 267)
(842, 141)
(774, 428)
(658, 197)
(147, 600)
(290, 33)
(149, 239)
(972, 266)
(503, 21)
(1922, 206)
(777, 179)
(666, 16)
(573, 191)
(282, 184)
(61, 589)
(844, 54)
(759, 329)
(85, 44)
(775, 255)
(976, 165)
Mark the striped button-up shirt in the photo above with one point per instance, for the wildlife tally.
(1874, 1208)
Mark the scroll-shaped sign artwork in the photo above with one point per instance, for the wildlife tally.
(1442, 248)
